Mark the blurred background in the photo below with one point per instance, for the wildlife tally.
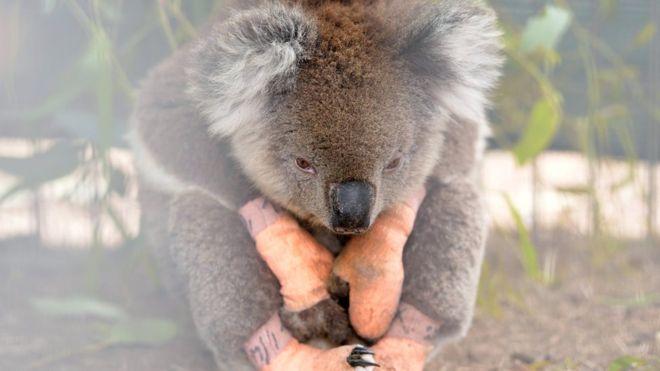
(571, 279)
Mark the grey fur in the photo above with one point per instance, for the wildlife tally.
(464, 42)
(349, 84)
(241, 61)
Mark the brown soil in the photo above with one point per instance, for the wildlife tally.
(604, 303)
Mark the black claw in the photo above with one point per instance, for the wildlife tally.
(355, 358)
(362, 363)
(363, 350)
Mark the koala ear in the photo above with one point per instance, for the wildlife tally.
(454, 45)
(253, 54)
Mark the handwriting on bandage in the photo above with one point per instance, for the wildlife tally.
(259, 214)
(410, 323)
(267, 343)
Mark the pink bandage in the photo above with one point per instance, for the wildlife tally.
(258, 215)
(410, 323)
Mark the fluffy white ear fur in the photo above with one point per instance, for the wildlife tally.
(455, 44)
(251, 54)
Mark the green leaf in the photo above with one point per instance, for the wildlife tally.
(48, 6)
(540, 131)
(149, 331)
(578, 190)
(54, 163)
(646, 34)
(77, 306)
(528, 254)
(626, 363)
(546, 30)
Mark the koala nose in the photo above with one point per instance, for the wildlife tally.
(351, 204)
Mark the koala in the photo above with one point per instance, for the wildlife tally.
(299, 100)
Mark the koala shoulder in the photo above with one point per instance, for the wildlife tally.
(170, 140)
(463, 149)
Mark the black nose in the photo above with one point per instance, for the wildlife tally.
(351, 204)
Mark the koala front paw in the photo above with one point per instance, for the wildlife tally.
(362, 358)
(327, 319)
(338, 287)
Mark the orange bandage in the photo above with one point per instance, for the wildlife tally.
(372, 264)
(301, 264)
(272, 348)
(406, 345)
(399, 354)
(301, 357)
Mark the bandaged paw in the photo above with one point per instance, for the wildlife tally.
(272, 348)
(372, 264)
(408, 342)
(299, 262)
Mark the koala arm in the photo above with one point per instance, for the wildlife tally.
(372, 267)
(302, 267)
(442, 261)
(230, 289)
(443, 257)
(234, 296)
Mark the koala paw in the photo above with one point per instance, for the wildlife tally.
(362, 359)
(326, 319)
(338, 287)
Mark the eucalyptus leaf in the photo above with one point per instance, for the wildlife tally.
(147, 331)
(49, 5)
(546, 30)
(528, 252)
(626, 363)
(77, 306)
(541, 129)
(11, 191)
(54, 163)
(646, 34)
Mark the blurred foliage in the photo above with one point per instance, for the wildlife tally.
(528, 252)
(627, 363)
(79, 306)
(565, 87)
(115, 326)
(112, 44)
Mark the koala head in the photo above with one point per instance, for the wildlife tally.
(337, 110)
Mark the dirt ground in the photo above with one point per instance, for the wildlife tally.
(603, 303)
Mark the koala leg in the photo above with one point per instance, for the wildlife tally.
(153, 225)
(231, 291)
(443, 258)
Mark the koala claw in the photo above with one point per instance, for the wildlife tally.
(362, 359)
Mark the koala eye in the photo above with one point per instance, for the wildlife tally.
(393, 165)
(305, 166)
